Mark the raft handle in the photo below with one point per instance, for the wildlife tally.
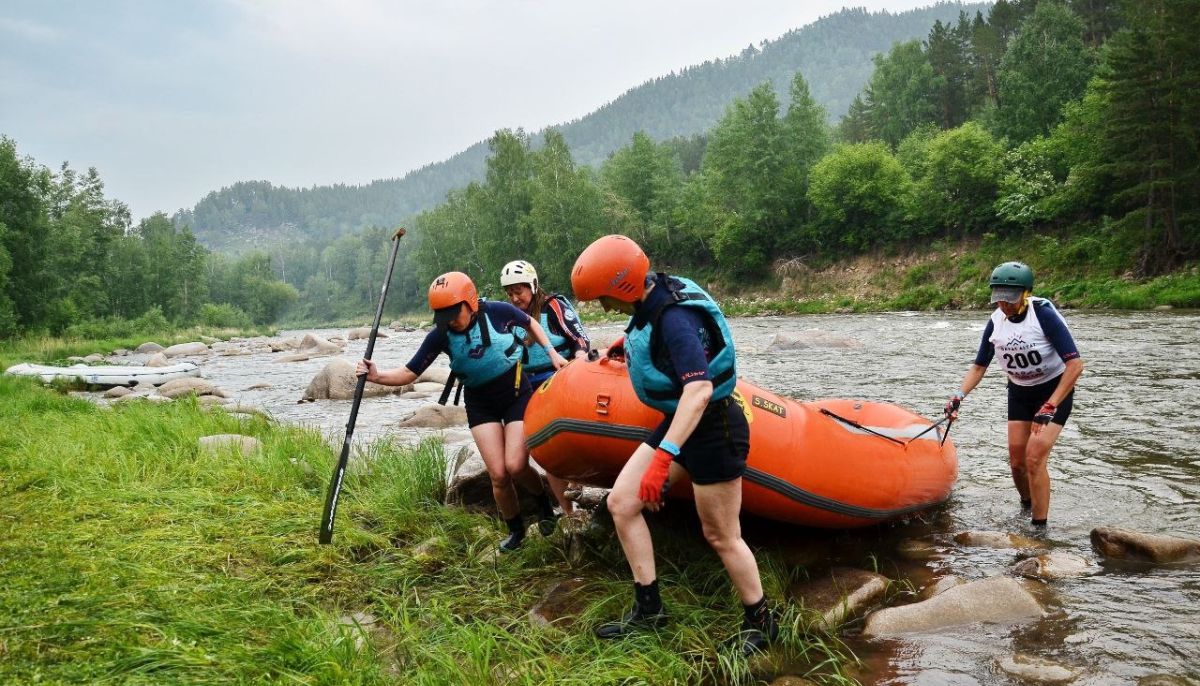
(602, 402)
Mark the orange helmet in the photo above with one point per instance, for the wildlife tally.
(453, 288)
(612, 265)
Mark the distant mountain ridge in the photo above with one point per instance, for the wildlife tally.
(834, 54)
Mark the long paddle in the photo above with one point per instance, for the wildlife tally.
(339, 471)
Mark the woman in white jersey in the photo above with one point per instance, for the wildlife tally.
(1037, 352)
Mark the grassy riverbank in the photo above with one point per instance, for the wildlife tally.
(44, 349)
(133, 557)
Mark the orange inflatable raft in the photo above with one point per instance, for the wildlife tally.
(829, 463)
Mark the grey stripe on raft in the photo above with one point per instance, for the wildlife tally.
(772, 483)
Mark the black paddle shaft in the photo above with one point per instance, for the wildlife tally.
(339, 471)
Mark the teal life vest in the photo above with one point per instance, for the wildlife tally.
(660, 389)
(481, 353)
(536, 359)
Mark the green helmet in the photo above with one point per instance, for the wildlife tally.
(1012, 274)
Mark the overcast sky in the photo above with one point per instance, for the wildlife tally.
(172, 99)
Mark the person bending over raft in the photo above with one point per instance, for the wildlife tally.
(561, 324)
(484, 352)
(1039, 356)
(680, 356)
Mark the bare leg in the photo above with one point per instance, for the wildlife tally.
(516, 458)
(626, 509)
(1018, 439)
(489, 438)
(719, 506)
(1037, 455)
(558, 487)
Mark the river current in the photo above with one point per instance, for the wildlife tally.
(1127, 458)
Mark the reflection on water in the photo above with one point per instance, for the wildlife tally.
(1126, 458)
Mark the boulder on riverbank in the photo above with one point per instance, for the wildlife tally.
(195, 348)
(1125, 544)
(363, 333)
(190, 386)
(435, 416)
(999, 599)
(149, 348)
(840, 595)
(337, 381)
(157, 360)
(246, 445)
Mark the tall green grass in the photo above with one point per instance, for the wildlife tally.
(132, 557)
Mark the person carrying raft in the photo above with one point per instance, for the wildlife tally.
(681, 360)
(485, 354)
(1039, 356)
(560, 322)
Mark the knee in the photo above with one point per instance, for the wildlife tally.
(516, 465)
(1035, 457)
(500, 479)
(722, 541)
(1016, 457)
(624, 506)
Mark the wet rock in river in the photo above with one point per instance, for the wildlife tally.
(363, 333)
(283, 344)
(1124, 544)
(437, 375)
(428, 387)
(994, 539)
(792, 681)
(839, 595)
(1054, 565)
(812, 338)
(435, 416)
(1029, 668)
(918, 549)
(940, 586)
(314, 346)
(337, 381)
(999, 599)
(1164, 680)
(560, 604)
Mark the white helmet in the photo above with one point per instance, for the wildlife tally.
(519, 271)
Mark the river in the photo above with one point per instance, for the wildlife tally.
(1127, 458)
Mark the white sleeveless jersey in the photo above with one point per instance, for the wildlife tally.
(1022, 349)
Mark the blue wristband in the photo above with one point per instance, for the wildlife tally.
(669, 447)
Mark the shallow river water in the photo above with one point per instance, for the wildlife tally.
(1127, 457)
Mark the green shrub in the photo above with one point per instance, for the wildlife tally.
(224, 315)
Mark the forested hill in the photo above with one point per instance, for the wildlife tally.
(834, 54)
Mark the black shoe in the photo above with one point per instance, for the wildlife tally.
(512, 543)
(548, 523)
(755, 636)
(634, 620)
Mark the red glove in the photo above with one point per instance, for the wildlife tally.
(1045, 414)
(952, 405)
(654, 480)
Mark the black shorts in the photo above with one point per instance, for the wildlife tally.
(716, 451)
(1025, 401)
(502, 399)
